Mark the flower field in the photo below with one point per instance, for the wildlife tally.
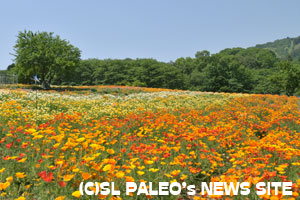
(51, 141)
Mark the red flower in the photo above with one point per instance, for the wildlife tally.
(46, 177)
(5, 158)
(123, 150)
(21, 155)
(62, 184)
(9, 145)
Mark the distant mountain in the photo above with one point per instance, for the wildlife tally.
(284, 47)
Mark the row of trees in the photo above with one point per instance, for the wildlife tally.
(251, 70)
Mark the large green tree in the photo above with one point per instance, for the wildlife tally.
(44, 54)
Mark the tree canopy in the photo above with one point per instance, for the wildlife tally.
(250, 70)
(45, 55)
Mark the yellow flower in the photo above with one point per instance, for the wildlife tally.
(81, 139)
(76, 194)
(2, 194)
(149, 162)
(37, 137)
(110, 151)
(107, 167)
(60, 162)
(168, 175)
(197, 198)
(75, 170)
(21, 198)
(2, 170)
(20, 175)
(55, 146)
(10, 179)
(132, 166)
(175, 172)
(120, 174)
(140, 173)
(31, 130)
(68, 177)
(3, 186)
(51, 167)
(115, 198)
(60, 198)
(22, 160)
(153, 170)
(183, 177)
(141, 167)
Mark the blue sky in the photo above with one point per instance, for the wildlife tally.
(160, 29)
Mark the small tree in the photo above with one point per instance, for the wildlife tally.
(44, 54)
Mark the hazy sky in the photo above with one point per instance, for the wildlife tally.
(160, 29)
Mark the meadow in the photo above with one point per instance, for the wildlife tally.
(50, 141)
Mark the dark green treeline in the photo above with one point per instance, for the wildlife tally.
(251, 70)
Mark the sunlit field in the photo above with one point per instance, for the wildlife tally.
(53, 140)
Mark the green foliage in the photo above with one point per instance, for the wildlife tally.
(44, 54)
(287, 77)
(284, 47)
(11, 67)
(226, 74)
(251, 70)
(139, 72)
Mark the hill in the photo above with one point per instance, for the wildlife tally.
(284, 47)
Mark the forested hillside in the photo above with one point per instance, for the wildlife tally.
(284, 48)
